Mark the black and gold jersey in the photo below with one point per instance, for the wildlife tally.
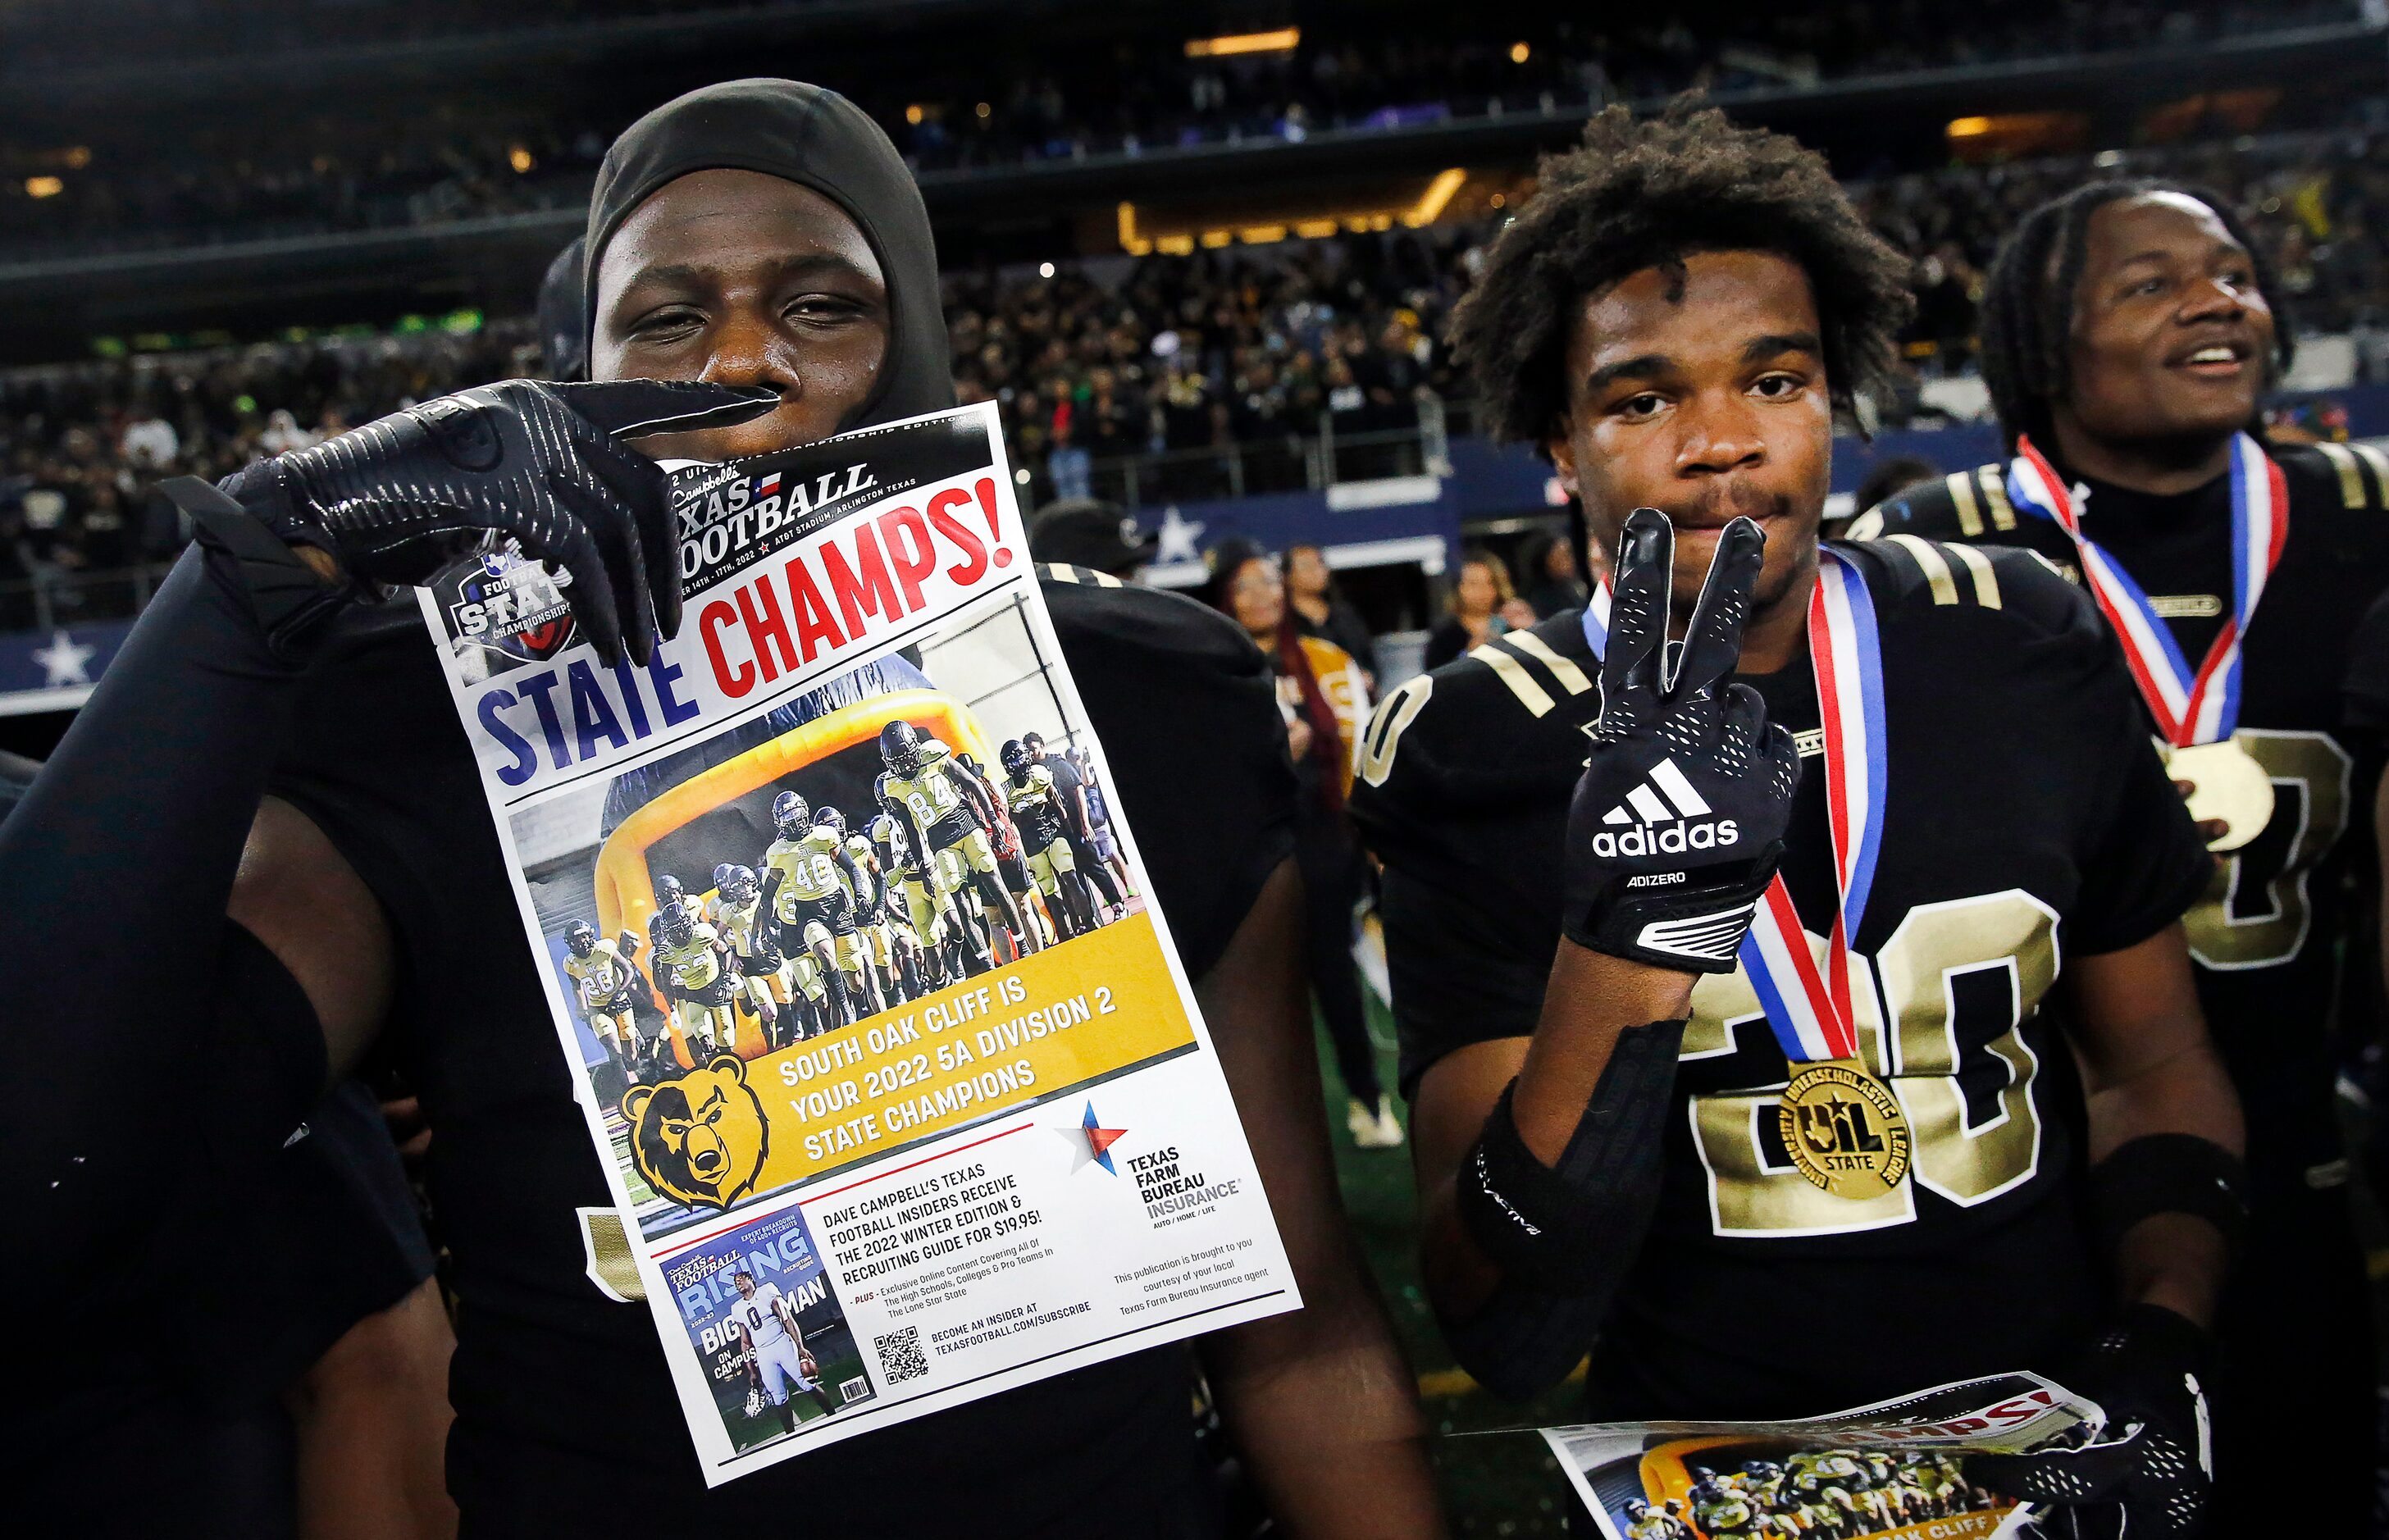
(930, 794)
(809, 869)
(1035, 807)
(2028, 821)
(2266, 931)
(691, 964)
(735, 923)
(600, 977)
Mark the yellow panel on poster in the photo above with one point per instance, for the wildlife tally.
(1062, 1017)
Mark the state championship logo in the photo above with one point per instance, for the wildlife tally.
(700, 1139)
(509, 604)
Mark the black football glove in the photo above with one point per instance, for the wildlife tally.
(2154, 1461)
(1678, 821)
(396, 499)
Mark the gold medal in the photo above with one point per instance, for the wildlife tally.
(1845, 1129)
(2228, 784)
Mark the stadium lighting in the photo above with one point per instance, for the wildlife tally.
(1282, 40)
(1308, 224)
(520, 159)
(984, 111)
(1431, 203)
(913, 114)
(43, 186)
(1968, 128)
(1519, 53)
(1044, 269)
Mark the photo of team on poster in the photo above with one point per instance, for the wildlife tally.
(1892, 1472)
(1830, 1493)
(869, 844)
(843, 916)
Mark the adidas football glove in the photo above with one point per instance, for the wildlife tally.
(2155, 1460)
(1678, 821)
(396, 499)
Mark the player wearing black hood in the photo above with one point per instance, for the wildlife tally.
(759, 234)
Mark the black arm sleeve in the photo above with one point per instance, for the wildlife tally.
(1565, 1237)
(138, 821)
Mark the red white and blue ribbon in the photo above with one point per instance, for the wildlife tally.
(2201, 707)
(1811, 1008)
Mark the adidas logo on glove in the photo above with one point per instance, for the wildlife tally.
(1662, 816)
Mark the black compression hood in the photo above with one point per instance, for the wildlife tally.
(816, 138)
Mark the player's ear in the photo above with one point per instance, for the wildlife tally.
(730, 1065)
(634, 1100)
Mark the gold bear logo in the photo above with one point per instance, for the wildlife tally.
(700, 1139)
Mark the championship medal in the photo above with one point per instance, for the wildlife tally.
(1845, 1130)
(2228, 784)
(2195, 714)
(1844, 1127)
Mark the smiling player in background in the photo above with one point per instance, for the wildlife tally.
(2130, 332)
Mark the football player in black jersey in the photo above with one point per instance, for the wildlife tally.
(1077, 825)
(1598, 1091)
(807, 276)
(2130, 332)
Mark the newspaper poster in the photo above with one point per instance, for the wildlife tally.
(900, 1108)
(1890, 1471)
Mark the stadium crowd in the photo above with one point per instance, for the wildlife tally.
(1104, 361)
(462, 155)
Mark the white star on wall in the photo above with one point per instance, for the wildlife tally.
(1177, 539)
(65, 661)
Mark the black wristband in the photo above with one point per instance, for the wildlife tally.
(291, 603)
(2169, 1174)
(1572, 1229)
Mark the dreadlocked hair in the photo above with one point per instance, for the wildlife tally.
(1649, 194)
(2028, 298)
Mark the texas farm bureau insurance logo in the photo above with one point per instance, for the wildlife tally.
(502, 601)
(1664, 815)
(1170, 1185)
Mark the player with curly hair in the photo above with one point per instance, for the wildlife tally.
(1703, 1072)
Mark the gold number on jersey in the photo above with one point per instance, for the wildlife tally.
(1384, 734)
(2254, 913)
(1754, 1189)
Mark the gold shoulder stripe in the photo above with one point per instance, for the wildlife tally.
(2351, 479)
(1995, 496)
(1961, 494)
(1866, 526)
(1063, 572)
(1572, 679)
(1533, 696)
(2380, 465)
(1929, 561)
(1986, 576)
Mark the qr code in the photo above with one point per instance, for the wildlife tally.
(900, 1356)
